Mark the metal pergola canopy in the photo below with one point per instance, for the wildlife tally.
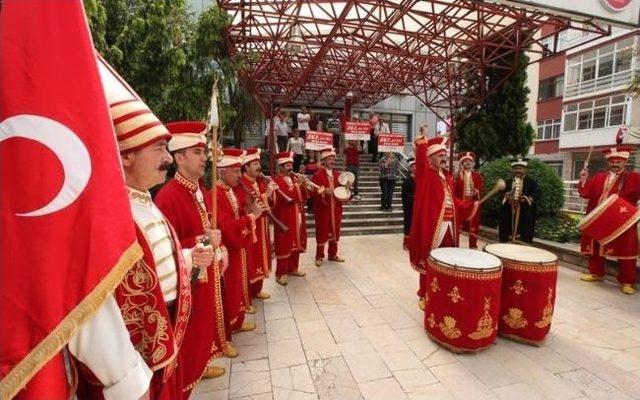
(316, 52)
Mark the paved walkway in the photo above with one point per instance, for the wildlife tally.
(354, 331)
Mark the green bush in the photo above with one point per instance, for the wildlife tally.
(559, 228)
(550, 184)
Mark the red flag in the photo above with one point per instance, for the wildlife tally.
(66, 232)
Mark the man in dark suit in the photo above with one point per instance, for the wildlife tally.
(518, 211)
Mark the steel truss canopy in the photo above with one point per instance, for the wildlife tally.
(319, 52)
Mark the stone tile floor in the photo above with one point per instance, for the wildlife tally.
(354, 331)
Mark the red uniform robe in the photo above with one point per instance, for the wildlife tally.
(291, 214)
(627, 186)
(326, 209)
(429, 207)
(476, 183)
(238, 234)
(205, 337)
(259, 253)
(156, 332)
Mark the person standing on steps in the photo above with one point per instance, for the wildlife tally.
(303, 118)
(296, 145)
(352, 162)
(388, 167)
(408, 192)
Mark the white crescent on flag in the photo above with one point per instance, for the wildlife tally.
(65, 144)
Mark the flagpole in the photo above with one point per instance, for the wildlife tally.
(214, 122)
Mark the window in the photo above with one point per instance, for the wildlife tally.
(623, 60)
(605, 66)
(550, 87)
(599, 117)
(556, 166)
(589, 70)
(548, 129)
(399, 123)
(601, 113)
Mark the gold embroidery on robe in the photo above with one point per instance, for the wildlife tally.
(448, 328)
(518, 288)
(485, 323)
(547, 312)
(434, 285)
(515, 320)
(138, 301)
(454, 294)
(431, 320)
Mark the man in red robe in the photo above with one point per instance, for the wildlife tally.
(327, 210)
(289, 208)
(469, 185)
(253, 188)
(183, 202)
(155, 294)
(435, 210)
(238, 235)
(625, 247)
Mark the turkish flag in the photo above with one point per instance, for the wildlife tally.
(66, 231)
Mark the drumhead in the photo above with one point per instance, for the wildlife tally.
(342, 193)
(466, 258)
(518, 252)
(346, 178)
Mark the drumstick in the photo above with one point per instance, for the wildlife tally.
(586, 163)
(500, 185)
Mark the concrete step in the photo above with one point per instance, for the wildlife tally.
(353, 206)
(392, 221)
(367, 215)
(364, 230)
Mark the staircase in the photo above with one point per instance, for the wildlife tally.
(364, 217)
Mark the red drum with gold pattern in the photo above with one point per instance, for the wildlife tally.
(463, 298)
(610, 219)
(529, 278)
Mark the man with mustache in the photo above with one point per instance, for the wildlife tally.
(625, 247)
(518, 211)
(186, 203)
(155, 295)
(469, 186)
(326, 209)
(289, 245)
(238, 228)
(252, 189)
(435, 210)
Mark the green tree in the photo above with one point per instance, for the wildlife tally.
(498, 127)
(171, 59)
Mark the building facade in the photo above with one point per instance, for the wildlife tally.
(582, 100)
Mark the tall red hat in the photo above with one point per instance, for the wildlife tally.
(622, 152)
(185, 134)
(251, 154)
(466, 155)
(436, 145)
(284, 157)
(231, 158)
